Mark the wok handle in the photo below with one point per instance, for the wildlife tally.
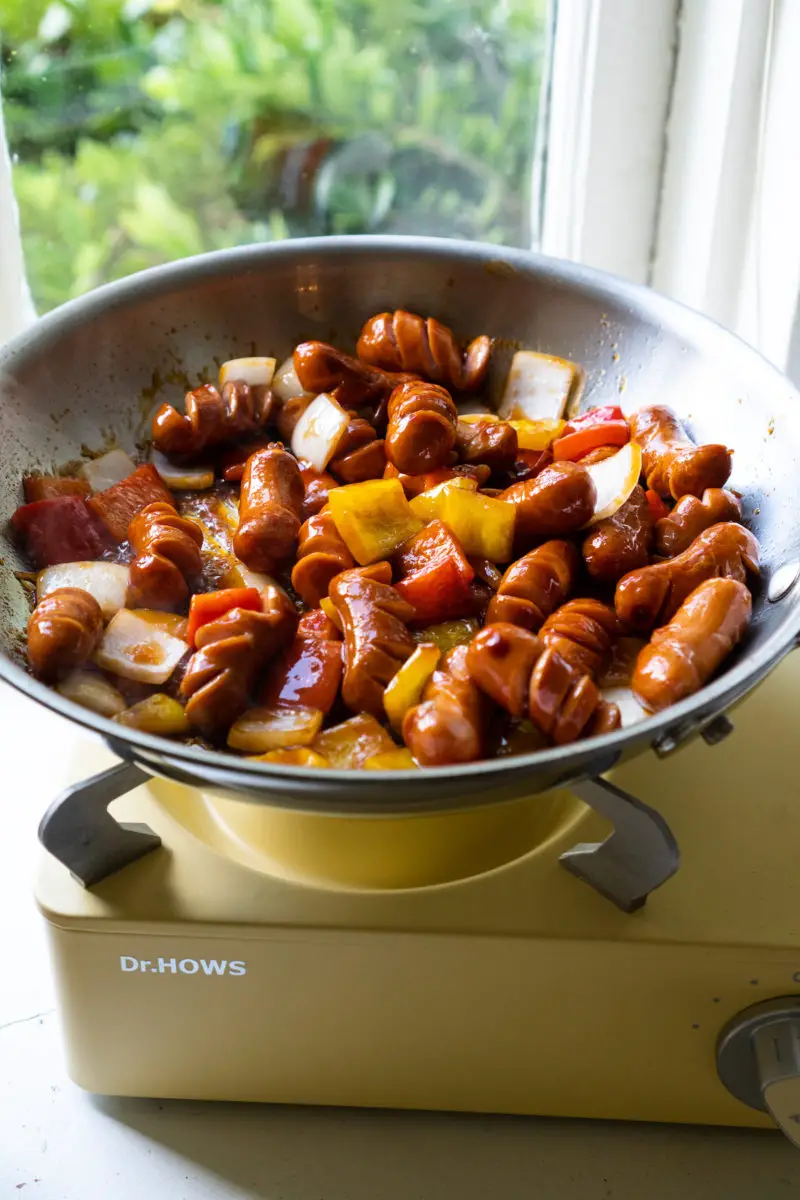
(79, 831)
(637, 857)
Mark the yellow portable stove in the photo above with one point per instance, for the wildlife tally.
(450, 961)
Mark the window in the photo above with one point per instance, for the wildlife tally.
(148, 130)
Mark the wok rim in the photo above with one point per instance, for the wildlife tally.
(691, 714)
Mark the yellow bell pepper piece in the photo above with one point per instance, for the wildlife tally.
(292, 756)
(331, 612)
(484, 526)
(476, 418)
(373, 518)
(393, 760)
(156, 714)
(449, 633)
(407, 686)
(428, 505)
(536, 435)
(350, 744)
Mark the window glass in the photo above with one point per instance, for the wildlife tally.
(149, 130)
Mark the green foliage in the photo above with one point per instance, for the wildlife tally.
(153, 129)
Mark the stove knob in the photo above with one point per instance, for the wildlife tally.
(758, 1060)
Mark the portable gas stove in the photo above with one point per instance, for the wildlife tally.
(451, 962)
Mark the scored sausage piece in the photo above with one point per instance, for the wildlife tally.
(64, 631)
(673, 465)
(422, 427)
(558, 500)
(683, 655)
(402, 341)
(535, 585)
(690, 517)
(270, 508)
(651, 595)
(449, 725)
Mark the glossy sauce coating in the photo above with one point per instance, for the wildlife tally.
(682, 656)
(374, 621)
(673, 465)
(402, 341)
(622, 542)
(651, 596)
(270, 508)
(449, 726)
(63, 632)
(690, 517)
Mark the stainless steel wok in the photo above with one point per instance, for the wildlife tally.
(92, 370)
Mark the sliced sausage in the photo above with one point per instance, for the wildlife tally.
(167, 548)
(64, 631)
(535, 585)
(622, 542)
(402, 341)
(321, 556)
(558, 500)
(493, 443)
(583, 631)
(422, 427)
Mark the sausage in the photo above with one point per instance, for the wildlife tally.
(64, 631)
(651, 595)
(270, 508)
(565, 704)
(231, 652)
(449, 726)
(376, 640)
(514, 668)
(493, 443)
(673, 465)
(583, 631)
(690, 517)
(501, 658)
(317, 485)
(321, 556)
(422, 427)
(360, 454)
(535, 585)
(323, 368)
(622, 542)
(402, 341)
(683, 655)
(167, 549)
(598, 455)
(211, 418)
(559, 499)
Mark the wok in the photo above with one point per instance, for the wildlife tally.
(93, 370)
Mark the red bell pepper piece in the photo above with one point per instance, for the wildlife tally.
(437, 575)
(593, 416)
(208, 606)
(48, 487)
(658, 507)
(119, 504)
(307, 674)
(60, 530)
(573, 446)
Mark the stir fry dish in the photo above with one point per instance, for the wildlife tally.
(358, 561)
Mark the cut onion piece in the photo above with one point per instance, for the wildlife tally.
(630, 710)
(91, 690)
(539, 386)
(285, 383)
(614, 479)
(107, 582)
(108, 469)
(262, 729)
(136, 649)
(470, 409)
(317, 433)
(156, 714)
(172, 623)
(180, 478)
(257, 372)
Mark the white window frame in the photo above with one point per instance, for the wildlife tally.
(657, 111)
